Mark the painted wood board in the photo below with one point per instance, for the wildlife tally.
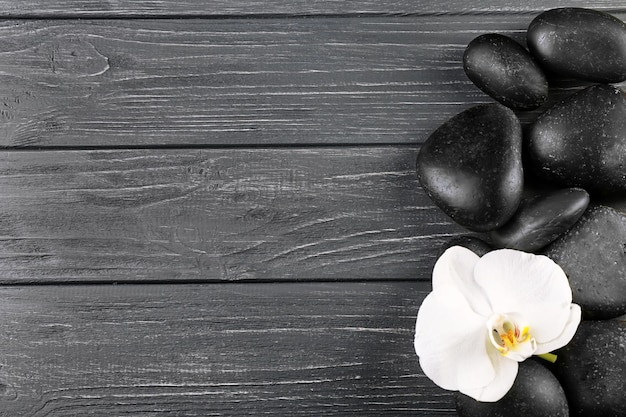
(240, 82)
(217, 349)
(218, 8)
(338, 213)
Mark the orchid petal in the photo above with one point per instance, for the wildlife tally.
(566, 335)
(455, 267)
(505, 374)
(533, 286)
(451, 341)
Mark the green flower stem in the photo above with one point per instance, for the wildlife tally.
(550, 357)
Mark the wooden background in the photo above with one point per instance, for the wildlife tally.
(243, 171)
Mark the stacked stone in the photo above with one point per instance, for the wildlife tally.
(474, 168)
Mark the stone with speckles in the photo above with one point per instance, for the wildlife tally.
(504, 70)
(542, 219)
(581, 142)
(592, 367)
(535, 392)
(471, 166)
(473, 243)
(592, 254)
(580, 43)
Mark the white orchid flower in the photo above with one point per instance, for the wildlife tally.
(485, 315)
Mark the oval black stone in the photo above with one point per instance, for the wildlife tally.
(592, 369)
(541, 220)
(535, 392)
(476, 245)
(504, 70)
(593, 255)
(581, 141)
(471, 166)
(580, 43)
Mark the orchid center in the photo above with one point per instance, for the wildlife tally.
(510, 335)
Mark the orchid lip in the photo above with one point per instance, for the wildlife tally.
(510, 335)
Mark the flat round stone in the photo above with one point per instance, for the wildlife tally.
(541, 220)
(593, 255)
(506, 71)
(471, 166)
(580, 43)
(581, 142)
(592, 369)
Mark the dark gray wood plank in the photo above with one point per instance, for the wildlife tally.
(120, 83)
(242, 214)
(39, 8)
(219, 349)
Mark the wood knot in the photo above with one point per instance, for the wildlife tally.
(69, 55)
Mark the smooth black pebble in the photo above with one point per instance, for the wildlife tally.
(592, 369)
(593, 255)
(476, 245)
(581, 142)
(504, 70)
(471, 166)
(580, 43)
(541, 220)
(536, 392)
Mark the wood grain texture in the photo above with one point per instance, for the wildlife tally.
(141, 8)
(133, 83)
(243, 75)
(310, 213)
(265, 349)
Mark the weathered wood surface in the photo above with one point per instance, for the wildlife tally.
(219, 214)
(239, 8)
(200, 350)
(231, 82)
(364, 81)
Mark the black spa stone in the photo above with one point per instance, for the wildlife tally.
(580, 43)
(592, 369)
(581, 142)
(471, 166)
(504, 70)
(535, 392)
(541, 220)
(476, 245)
(593, 256)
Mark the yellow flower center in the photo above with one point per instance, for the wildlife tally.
(510, 335)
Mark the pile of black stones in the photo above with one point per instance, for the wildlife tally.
(547, 188)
